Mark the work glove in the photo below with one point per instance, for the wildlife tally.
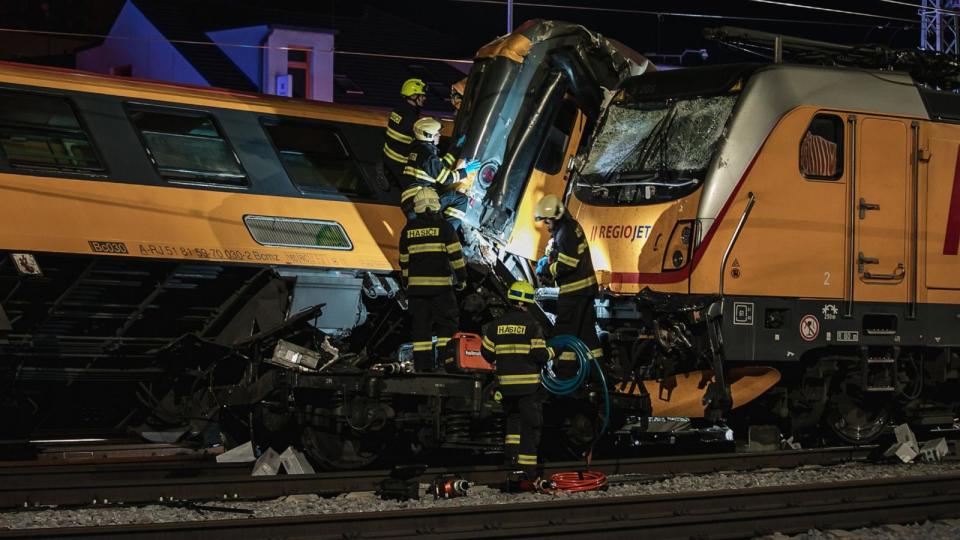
(543, 266)
(472, 167)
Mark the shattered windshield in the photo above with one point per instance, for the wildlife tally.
(648, 152)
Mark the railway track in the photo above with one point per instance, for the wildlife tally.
(719, 514)
(104, 483)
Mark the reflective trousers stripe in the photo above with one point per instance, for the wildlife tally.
(512, 438)
(527, 459)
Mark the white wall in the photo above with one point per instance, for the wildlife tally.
(321, 59)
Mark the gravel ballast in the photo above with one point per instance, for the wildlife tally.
(478, 495)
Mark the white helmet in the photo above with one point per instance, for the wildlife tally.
(426, 199)
(426, 128)
(549, 207)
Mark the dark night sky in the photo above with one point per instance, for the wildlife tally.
(464, 25)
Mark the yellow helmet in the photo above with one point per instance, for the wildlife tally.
(426, 128)
(521, 291)
(413, 87)
(549, 207)
(426, 199)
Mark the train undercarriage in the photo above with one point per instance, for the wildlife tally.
(218, 354)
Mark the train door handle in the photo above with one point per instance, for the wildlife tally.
(897, 274)
(864, 206)
(861, 261)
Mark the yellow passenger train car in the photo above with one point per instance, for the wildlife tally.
(133, 213)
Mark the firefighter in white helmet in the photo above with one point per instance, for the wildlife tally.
(431, 268)
(570, 267)
(425, 169)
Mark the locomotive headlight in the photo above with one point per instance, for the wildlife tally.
(679, 246)
(677, 259)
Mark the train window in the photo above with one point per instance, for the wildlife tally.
(44, 133)
(555, 147)
(316, 157)
(821, 148)
(187, 146)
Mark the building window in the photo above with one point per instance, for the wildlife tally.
(298, 67)
(44, 133)
(821, 148)
(122, 71)
(187, 146)
(316, 157)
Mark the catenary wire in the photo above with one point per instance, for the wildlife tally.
(236, 45)
(687, 15)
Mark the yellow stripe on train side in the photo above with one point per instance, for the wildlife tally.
(43, 214)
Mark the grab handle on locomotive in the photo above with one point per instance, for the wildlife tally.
(897, 274)
(864, 206)
(861, 261)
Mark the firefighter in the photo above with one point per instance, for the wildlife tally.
(570, 267)
(399, 134)
(514, 344)
(432, 266)
(425, 169)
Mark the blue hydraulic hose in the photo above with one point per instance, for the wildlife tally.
(564, 387)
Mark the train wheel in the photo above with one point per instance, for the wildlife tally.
(855, 416)
(336, 451)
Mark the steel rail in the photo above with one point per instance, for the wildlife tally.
(76, 484)
(718, 514)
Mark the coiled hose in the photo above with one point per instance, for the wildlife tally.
(564, 387)
(577, 480)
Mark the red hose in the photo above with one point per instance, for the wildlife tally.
(579, 481)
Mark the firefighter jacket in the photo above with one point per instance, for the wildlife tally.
(399, 134)
(424, 169)
(573, 268)
(514, 344)
(430, 255)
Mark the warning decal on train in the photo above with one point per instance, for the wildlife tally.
(809, 328)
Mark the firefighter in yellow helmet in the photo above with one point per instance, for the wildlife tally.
(399, 133)
(569, 265)
(425, 169)
(431, 267)
(514, 344)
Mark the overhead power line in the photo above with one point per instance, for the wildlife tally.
(702, 15)
(235, 45)
(830, 10)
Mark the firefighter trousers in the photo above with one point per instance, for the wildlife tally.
(577, 316)
(434, 315)
(524, 427)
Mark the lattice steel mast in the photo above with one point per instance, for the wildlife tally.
(939, 30)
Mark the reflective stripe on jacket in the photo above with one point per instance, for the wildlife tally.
(514, 344)
(430, 256)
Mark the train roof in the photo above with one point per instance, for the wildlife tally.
(80, 81)
(792, 85)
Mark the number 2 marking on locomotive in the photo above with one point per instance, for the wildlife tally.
(826, 279)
